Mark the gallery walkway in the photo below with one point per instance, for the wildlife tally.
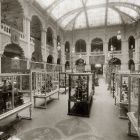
(54, 123)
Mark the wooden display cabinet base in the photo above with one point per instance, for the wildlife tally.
(132, 135)
(81, 109)
(45, 97)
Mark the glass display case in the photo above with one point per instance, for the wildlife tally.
(15, 94)
(121, 93)
(44, 85)
(94, 79)
(63, 82)
(134, 105)
(112, 82)
(80, 94)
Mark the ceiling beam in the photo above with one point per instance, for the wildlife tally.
(132, 6)
(73, 21)
(122, 13)
(106, 13)
(51, 6)
(85, 11)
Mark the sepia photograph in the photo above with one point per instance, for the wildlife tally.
(70, 70)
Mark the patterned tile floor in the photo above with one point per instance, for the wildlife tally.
(54, 123)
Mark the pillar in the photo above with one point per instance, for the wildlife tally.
(137, 53)
(26, 31)
(1, 47)
(27, 34)
(125, 55)
(63, 56)
(43, 45)
(88, 66)
(105, 51)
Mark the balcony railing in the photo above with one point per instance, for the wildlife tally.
(21, 65)
(115, 52)
(81, 53)
(7, 29)
(97, 53)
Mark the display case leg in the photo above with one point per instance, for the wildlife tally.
(58, 95)
(130, 132)
(34, 102)
(69, 107)
(45, 103)
(24, 117)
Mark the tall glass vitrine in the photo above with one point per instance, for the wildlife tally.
(121, 93)
(134, 105)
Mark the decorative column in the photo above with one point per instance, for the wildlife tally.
(137, 54)
(63, 56)
(88, 66)
(105, 51)
(43, 45)
(125, 55)
(1, 47)
(26, 30)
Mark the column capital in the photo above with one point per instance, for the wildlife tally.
(43, 30)
(27, 18)
(105, 42)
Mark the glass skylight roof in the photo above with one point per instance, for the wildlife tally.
(77, 14)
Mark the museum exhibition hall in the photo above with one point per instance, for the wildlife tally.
(70, 70)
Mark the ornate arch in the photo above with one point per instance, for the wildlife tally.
(13, 50)
(97, 45)
(80, 45)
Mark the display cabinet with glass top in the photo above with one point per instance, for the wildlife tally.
(15, 94)
(80, 94)
(134, 105)
(63, 82)
(44, 85)
(121, 93)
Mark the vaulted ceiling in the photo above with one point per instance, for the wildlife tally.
(78, 14)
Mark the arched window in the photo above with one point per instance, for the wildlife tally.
(58, 61)
(80, 46)
(67, 65)
(58, 40)
(114, 61)
(131, 43)
(67, 47)
(97, 45)
(131, 65)
(50, 59)
(115, 43)
(50, 36)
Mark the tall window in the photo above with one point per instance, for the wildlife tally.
(115, 43)
(131, 43)
(50, 36)
(80, 46)
(97, 45)
(58, 40)
(50, 59)
(67, 47)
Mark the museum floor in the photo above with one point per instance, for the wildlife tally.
(54, 123)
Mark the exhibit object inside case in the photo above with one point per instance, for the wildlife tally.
(80, 94)
(15, 94)
(44, 85)
(121, 93)
(134, 103)
(63, 82)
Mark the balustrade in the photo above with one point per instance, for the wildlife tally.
(7, 29)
